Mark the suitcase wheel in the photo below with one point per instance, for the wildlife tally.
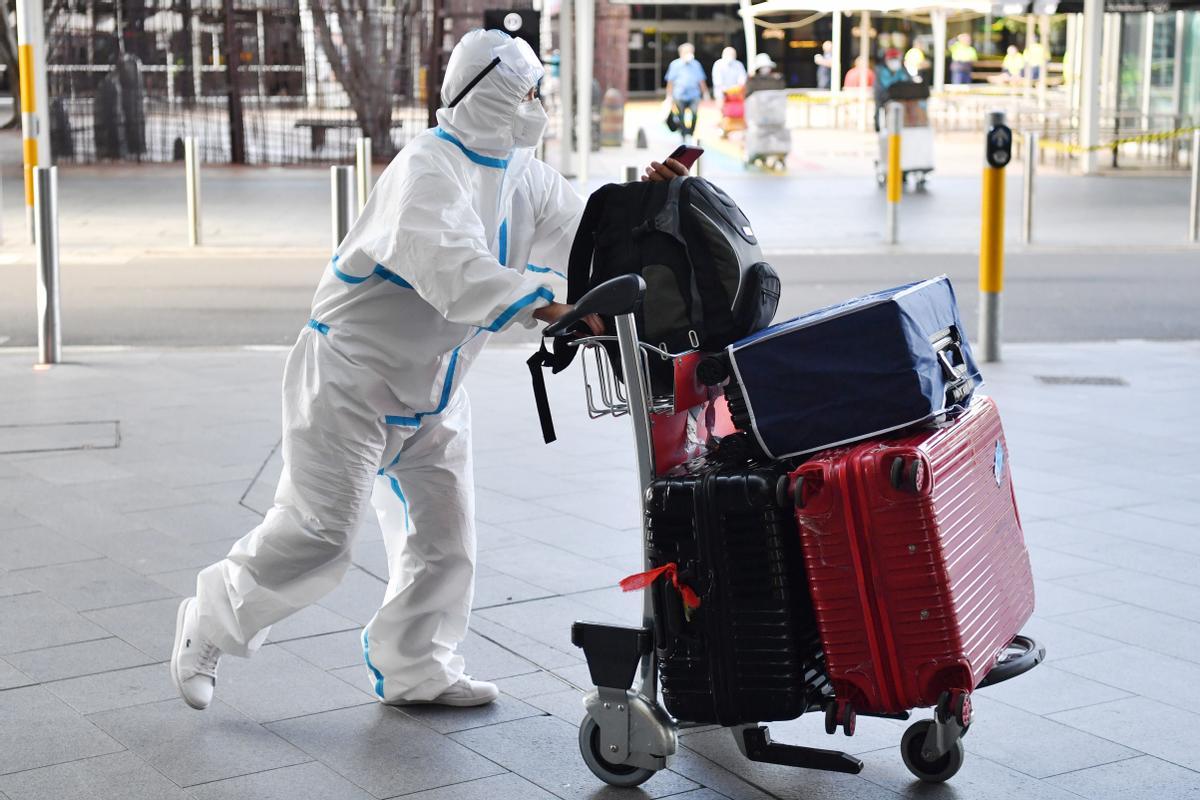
(840, 713)
(937, 770)
(908, 476)
(621, 775)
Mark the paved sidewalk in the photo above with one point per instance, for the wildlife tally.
(173, 457)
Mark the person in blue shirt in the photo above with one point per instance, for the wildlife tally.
(887, 74)
(686, 85)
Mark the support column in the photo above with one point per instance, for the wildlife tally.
(835, 74)
(1043, 73)
(585, 39)
(864, 50)
(1089, 56)
(1147, 67)
(748, 31)
(308, 43)
(566, 86)
(938, 19)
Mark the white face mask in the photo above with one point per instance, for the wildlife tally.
(529, 123)
(687, 57)
(893, 64)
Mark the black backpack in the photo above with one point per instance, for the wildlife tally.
(706, 283)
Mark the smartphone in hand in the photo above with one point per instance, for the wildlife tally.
(686, 155)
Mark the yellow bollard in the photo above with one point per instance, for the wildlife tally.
(895, 176)
(991, 240)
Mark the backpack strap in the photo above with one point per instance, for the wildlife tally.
(538, 362)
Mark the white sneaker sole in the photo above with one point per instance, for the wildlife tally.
(452, 703)
(175, 654)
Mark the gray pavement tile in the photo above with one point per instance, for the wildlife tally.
(1033, 744)
(35, 620)
(82, 658)
(120, 775)
(979, 779)
(1146, 557)
(488, 661)
(37, 546)
(40, 730)
(809, 729)
(311, 781)
(1142, 778)
(150, 627)
(90, 585)
(1108, 496)
(545, 751)
(1135, 588)
(714, 777)
(1064, 641)
(444, 719)
(499, 590)
(68, 468)
(1030, 478)
(133, 494)
(1046, 690)
(787, 783)
(190, 747)
(1185, 512)
(275, 684)
(611, 600)
(490, 537)
(384, 751)
(12, 678)
(357, 597)
(310, 621)
(617, 509)
(197, 523)
(579, 536)
(495, 508)
(552, 569)
(13, 584)
(329, 650)
(543, 655)
(567, 705)
(370, 555)
(1142, 672)
(1142, 527)
(547, 621)
(358, 678)
(701, 794)
(525, 483)
(1158, 729)
(1050, 564)
(1054, 534)
(185, 473)
(497, 787)
(1041, 505)
(578, 675)
(180, 582)
(1147, 629)
(535, 683)
(83, 520)
(12, 519)
(117, 689)
(1052, 598)
(148, 551)
(28, 491)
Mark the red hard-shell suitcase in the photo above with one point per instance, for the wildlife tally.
(916, 562)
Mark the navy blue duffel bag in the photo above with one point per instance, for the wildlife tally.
(875, 364)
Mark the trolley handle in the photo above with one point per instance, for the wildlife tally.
(613, 298)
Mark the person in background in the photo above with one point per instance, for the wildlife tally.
(1013, 67)
(962, 59)
(824, 61)
(888, 74)
(686, 86)
(915, 61)
(727, 73)
(1035, 59)
(860, 74)
(765, 76)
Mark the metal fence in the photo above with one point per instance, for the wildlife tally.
(130, 79)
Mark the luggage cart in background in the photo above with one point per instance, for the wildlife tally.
(626, 735)
(768, 139)
(916, 141)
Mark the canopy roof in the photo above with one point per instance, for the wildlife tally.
(858, 6)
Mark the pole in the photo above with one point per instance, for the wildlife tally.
(1089, 92)
(433, 74)
(1031, 151)
(233, 55)
(938, 19)
(864, 51)
(341, 185)
(362, 170)
(585, 37)
(835, 74)
(566, 86)
(45, 201)
(991, 245)
(35, 101)
(191, 170)
(695, 170)
(748, 31)
(1044, 69)
(1194, 206)
(895, 176)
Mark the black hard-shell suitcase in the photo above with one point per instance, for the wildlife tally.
(750, 652)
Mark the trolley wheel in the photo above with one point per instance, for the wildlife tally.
(921, 178)
(1021, 655)
(831, 718)
(840, 712)
(937, 771)
(621, 775)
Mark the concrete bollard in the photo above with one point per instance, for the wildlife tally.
(362, 170)
(632, 174)
(45, 215)
(1030, 154)
(641, 139)
(191, 172)
(341, 186)
(1194, 205)
(895, 174)
(998, 152)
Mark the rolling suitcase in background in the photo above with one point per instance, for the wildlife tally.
(744, 647)
(864, 368)
(916, 562)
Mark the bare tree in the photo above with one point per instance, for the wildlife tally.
(365, 60)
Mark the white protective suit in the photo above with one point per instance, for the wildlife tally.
(443, 255)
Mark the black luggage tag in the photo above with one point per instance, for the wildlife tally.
(537, 362)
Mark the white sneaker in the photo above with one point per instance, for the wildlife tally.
(193, 660)
(463, 693)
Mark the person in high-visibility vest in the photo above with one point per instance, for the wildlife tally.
(1035, 59)
(915, 61)
(962, 59)
(1014, 64)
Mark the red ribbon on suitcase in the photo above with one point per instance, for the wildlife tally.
(641, 580)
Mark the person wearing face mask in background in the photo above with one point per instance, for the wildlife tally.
(458, 240)
(686, 86)
(887, 74)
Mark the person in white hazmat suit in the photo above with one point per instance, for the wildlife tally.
(456, 242)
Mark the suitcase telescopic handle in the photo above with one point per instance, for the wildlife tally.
(947, 343)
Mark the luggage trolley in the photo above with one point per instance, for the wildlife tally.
(626, 734)
(916, 142)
